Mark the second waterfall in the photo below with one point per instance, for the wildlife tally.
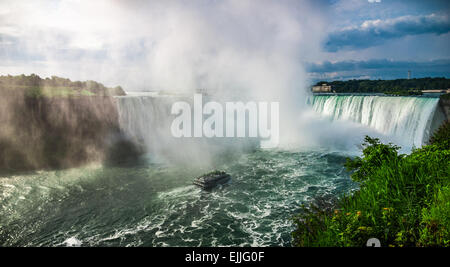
(407, 118)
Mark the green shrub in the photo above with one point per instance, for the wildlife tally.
(403, 200)
(375, 155)
(441, 137)
(435, 222)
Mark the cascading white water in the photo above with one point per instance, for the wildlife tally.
(406, 121)
(142, 118)
(147, 119)
(406, 118)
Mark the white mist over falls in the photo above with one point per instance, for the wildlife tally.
(235, 50)
(329, 121)
(245, 50)
(240, 50)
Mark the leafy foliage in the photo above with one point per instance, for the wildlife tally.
(375, 155)
(441, 137)
(403, 93)
(403, 200)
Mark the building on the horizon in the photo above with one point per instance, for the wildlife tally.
(409, 74)
(441, 91)
(324, 88)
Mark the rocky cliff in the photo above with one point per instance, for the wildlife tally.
(444, 103)
(59, 132)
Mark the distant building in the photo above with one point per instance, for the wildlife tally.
(324, 88)
(436, 91)
(409, 74)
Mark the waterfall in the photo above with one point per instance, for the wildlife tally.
(406, 118)
(147, 119)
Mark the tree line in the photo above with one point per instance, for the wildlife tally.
(382, 86)
(36, 85)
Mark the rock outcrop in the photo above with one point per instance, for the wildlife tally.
(444, 103)
(59, 132)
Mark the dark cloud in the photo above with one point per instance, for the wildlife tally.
(375, 32)
(378, 69)
(328, 66)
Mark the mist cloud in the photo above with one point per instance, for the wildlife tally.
(162, 45)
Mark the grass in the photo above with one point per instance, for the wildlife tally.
(56, 92)
(403, 200)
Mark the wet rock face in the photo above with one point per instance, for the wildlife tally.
(58, 132)
(444, 103)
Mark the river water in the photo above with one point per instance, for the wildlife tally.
(157, 205)
(153, 203)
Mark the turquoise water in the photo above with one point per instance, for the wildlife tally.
(157, 205)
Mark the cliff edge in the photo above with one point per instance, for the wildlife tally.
(66, 128)
(444, 103)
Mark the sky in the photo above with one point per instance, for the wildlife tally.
(159, 45)
(383, 39)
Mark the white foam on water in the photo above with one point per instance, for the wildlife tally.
(72, 242)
